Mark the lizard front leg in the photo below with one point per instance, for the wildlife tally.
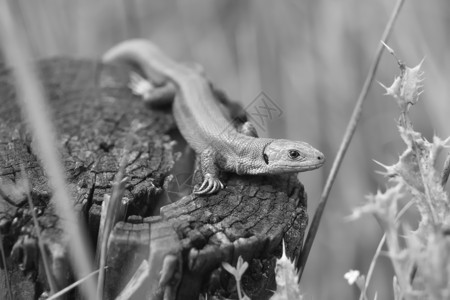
(154, 95)
(211, 183)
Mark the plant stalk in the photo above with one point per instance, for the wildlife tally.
(351, 127)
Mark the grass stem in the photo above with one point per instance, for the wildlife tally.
(351, 127)
(378, 251)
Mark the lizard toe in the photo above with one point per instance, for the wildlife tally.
(218, 186)
(210, 185)
(203, 191)
(204, 185)
(204, 188)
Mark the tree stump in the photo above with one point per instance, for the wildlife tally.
(96, 116)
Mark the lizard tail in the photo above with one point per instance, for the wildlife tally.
(149, 58)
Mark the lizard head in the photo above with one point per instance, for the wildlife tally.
(285, 156)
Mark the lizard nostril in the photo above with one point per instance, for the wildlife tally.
(320, 157)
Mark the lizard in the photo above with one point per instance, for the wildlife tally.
(221, 146)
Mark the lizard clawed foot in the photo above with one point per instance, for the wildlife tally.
(210, 185)
(140, 86)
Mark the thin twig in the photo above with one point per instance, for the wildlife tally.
(73, 285)
(378, 251)
(5, 268)
(351, 127)
(372, 266)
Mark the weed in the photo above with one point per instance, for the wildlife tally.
(420, 256)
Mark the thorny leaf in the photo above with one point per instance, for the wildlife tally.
(411, 84)
(394, 89)
(416, 169)
(407, 87)
(406, 168)
(286, 277)
(383, 205)
(431, 199)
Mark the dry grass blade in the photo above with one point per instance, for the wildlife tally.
(112, 214)
(119, 214)
(8, 281)
(135, 282)
(37, 228)
(33, 104)
(351, 127)
(72, 286)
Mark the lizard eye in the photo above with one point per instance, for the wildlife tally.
(294, 154)
(266, 158)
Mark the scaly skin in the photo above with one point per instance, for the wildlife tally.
(201, 122)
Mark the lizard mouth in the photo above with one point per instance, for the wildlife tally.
(264, 155)
(297, 169)
(313, 167)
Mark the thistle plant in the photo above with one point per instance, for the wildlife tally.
(286, 276)
(420, 254)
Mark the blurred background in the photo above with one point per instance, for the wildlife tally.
(310, 58)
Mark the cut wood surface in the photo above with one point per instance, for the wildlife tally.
(98, 121)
